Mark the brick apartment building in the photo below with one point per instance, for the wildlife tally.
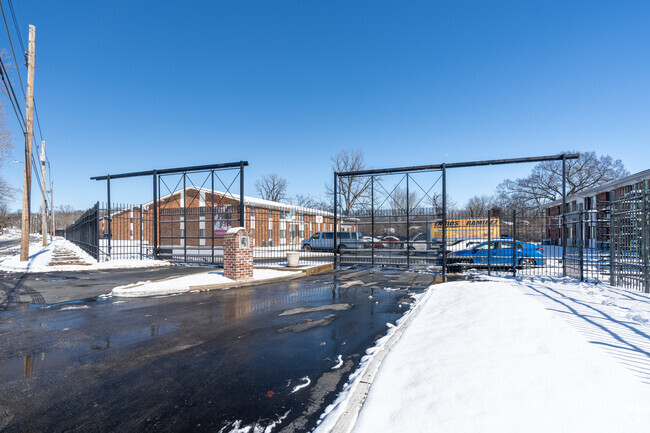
(196, 216)
(592, 201)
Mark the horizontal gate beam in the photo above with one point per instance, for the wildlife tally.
(460, 165)
(174, 170)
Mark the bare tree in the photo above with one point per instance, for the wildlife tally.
(306, 200)
(544, 184)
(435, 200)
(272, 187)
(353, 190)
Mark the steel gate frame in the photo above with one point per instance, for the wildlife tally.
(156, 176)
(443, 169)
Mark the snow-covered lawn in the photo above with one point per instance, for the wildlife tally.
(513, 355)
(40, 259)
(213, 279)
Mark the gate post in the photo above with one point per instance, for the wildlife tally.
(372, 221)
(242, 207)
(408, 220)
(141, 230)
(155, 215)
(335, 219)
(489, 240)
(564, 215)
(108, 196)
(514, 236)
(212, 214)
(184, 218)
(444, 223)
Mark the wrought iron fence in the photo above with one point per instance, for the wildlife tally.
(85, 232)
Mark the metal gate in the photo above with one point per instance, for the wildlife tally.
(630, 238)
(398, 217)
(190, 211)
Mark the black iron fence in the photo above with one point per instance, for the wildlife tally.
(85, 232)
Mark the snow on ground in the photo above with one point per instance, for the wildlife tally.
(524, 354)
(10, 234)
(190, 282)
(40, 258)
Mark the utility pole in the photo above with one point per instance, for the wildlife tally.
(52, 209)
(27, 175)
(44, 212)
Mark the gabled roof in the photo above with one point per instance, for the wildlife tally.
(606, 187)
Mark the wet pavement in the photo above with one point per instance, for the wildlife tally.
(54, 287)
(211, 361)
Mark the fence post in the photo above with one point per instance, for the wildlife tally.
(581, 241)
(96, 242)
(489, 240)
(514, 236)
(185, 217)
(212, 213)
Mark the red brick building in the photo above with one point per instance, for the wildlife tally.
(592, 203)
(196, 216)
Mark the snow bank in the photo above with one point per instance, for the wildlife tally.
(190, 282)
(41, 257)
(503, 355)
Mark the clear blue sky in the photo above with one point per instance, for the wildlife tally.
(136, 85)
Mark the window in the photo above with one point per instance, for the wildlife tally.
(316, 236)
(328, 235)
(505, 245)
(283, 234)
(484, 247)
(202, 233)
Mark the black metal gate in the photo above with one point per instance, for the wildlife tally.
(402, 220)
(190, 211)
(630, 238)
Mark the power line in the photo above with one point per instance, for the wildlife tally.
(12, 47)
(12, 96)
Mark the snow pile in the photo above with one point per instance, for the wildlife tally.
(187, 283)
(501, 355)
(41, 256)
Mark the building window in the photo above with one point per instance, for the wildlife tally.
(283, 234)
(202, 233)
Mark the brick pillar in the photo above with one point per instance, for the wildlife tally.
(238, 254)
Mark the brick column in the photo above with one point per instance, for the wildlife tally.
(238, 254)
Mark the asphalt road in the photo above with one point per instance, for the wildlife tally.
(56, 287)
(197, 362)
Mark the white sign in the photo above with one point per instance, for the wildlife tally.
(289, 217)
(319, 219)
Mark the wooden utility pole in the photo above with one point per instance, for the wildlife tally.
(44, 211)
(29, 121)
(52, 209)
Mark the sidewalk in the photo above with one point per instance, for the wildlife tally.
(502, 355)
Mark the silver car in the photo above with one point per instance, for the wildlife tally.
(324, 241)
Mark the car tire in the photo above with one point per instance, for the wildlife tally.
(306, 248)
(341, 248)
(527, 263)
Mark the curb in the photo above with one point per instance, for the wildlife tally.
(346, 422)
(241, 284)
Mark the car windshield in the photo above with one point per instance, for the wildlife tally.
(316, 236)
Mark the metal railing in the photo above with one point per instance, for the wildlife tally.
(85, 232)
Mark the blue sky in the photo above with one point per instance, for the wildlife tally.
(126, 86)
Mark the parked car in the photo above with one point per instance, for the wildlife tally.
(324, 241)
(391, 242)
(500, 252)
(369, 241)
(422, 242)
